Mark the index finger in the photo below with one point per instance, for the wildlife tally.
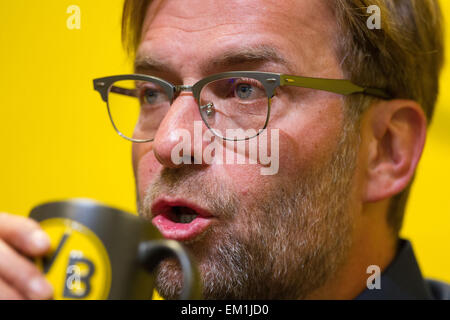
(23, 234)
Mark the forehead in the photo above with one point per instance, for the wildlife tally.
(178, 31)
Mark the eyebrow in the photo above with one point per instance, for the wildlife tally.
(149, 63)
(249, 55)
(258, 54)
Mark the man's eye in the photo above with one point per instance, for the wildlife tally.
(150, 96)
(248, 90)
(244, 91)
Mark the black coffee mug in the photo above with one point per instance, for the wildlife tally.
(99, 252)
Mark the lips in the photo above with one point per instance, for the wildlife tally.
(179, 219)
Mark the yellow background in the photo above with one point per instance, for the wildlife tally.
(57, 142)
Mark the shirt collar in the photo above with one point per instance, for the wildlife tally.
(402, 279)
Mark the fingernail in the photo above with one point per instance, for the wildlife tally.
(39, 288)
(40, 240)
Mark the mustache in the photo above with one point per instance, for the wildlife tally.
(194, 185)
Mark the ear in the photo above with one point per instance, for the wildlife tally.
(395, 133)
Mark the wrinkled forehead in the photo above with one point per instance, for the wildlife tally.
(202, 15)
(299, 28)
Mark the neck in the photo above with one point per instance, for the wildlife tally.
(373, 244)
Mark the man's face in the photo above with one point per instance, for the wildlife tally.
(267, 236)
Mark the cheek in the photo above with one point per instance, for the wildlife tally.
(312, 133)
(247, 180)
(145, 167)
(302, 147)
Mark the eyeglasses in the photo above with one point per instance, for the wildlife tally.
(233, 105)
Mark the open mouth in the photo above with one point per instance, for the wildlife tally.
(180, 214)
(179, 219)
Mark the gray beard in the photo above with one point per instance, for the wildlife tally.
(292, 239)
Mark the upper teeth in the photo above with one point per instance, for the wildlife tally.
(186, 218)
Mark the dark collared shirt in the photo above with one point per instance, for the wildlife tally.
(402, 279)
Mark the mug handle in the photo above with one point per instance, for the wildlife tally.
(151, 253)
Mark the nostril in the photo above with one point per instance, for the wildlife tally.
(173, 161)
(165, 161)
(157, 156)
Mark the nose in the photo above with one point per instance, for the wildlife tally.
(179, 139)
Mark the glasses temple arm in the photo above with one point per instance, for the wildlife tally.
(339, 86)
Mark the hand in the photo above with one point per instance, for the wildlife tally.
(21, 239)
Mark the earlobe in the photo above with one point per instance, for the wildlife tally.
(396, 132)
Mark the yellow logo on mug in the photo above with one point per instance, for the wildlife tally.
(78, 266)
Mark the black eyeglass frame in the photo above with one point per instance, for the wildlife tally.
(270, 82)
